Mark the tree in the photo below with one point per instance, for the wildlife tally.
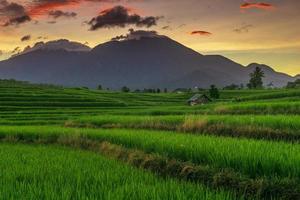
(125, 89)
(165, 90)
(158, 90)
(231, 87)
(99, 87)
(256, 81)
(214, 92)
(292, 85)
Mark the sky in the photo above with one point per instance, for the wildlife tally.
(245, 31)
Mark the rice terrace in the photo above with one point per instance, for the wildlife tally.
(149, 100)
(78, 143)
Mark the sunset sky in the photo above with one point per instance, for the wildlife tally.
(266, 31)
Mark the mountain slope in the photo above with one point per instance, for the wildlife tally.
(136, 63)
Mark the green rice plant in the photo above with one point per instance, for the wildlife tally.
(269, 127)
(36, 172)
(249, 157)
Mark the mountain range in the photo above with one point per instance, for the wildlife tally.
(149, 61)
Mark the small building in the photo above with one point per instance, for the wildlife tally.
(199, 99)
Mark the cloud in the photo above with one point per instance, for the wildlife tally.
(27, 10)
(181, 25)
(120, 16)
(58, 14)
(51, 22)
(166, 28)
(25, 38)
(243, 29)
(263, 6)
(42, 38)
(137, 35)
(202, 33)
(43, 7)
(12, 14)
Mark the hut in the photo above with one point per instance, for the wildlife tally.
(199, 99)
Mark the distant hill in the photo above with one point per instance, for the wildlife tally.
(137, 63)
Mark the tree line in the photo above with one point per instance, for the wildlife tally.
(255, 82)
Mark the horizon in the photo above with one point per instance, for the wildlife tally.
(239, 30)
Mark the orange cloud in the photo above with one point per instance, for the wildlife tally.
(44, 6)
(202, 33)
(263, 6)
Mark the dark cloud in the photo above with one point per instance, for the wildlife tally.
(119, 16)
(19, 13)
(243, 29)
(202, 33)
(51, 22)
(17, 20)
(58, 13)
(12, 14)
(166, 28)
(25, 38)
(42, 38)
(181, 25)
(136, 35)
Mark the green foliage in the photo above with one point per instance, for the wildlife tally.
(214, 92)
(256, 81)
(279, 127)
(125, 89)
(246, 156)
(292, 85)
(37, 172)
(232, 87)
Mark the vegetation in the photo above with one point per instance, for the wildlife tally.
(256, 79)
(244, 145)
(214, 92)
(37, 172)
(125, 89)
(295, 84)
(279, 127)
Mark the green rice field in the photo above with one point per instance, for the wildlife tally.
(78, 143)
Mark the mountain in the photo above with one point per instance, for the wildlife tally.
(149, 61)
(271, 76)
(57, 45)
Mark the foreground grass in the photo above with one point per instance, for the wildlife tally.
(250, 157)
(36, 172)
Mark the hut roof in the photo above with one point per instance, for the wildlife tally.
(198, 96)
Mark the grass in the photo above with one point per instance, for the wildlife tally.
(246, 143)
(250, 157)
(271, 127)
(36, 172)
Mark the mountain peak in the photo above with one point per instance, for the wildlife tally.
(137, 35)
(252, 66)
(61, 44)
